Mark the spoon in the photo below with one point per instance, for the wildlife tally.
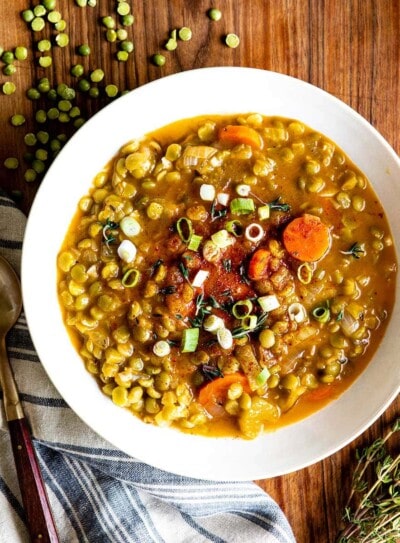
(38, 513)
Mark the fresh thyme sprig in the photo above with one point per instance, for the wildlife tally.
(357, 250)
(372, 512)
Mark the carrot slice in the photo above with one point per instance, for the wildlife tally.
(258, 265)
(320, 393)
(214, 392)
(237, 134)
(307, 238)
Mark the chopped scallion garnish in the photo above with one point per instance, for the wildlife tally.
(184, 228)
(242, 206)
(190, 340)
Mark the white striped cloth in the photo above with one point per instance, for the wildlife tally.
(99, 494)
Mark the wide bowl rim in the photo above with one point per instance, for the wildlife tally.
(262, 454)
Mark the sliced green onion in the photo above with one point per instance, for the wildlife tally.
(297, 312)
(213, 323)
(131, 278)
(207, 192)
(222, 239)
(268, 302)
(194, 242)
(234, 227)
(184, 228)
(127, 251)
(243, 189)
(250, 322)
(262, 377)
(321, 313)
(242, 206)
(130, 226)
(305, 273)
(264, 212)
(242, 309)
(254, 232)
(224, 337)
(199, 278)
(223, 198)
(190, 340)
(161, 348)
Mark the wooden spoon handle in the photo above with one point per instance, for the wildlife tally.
(39, 517)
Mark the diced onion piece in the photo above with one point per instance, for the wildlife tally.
(223, 198)
(213, 323)
(254, 232)
(349, 324)
(242, 206)
(194, 242)
(161, 348)
(225, 338)
(243, 189)
(264, 212)
(268, 302)
(207, 192)
(190, 339)
(222, 239)
(199, 278)
(129, 226)
(127, 251)
(193, 154)
(297, 312)
(262, 377)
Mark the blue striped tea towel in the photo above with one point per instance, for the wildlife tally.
(99, 494)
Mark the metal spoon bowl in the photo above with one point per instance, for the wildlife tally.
(38, 513)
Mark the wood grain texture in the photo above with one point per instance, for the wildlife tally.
(350, 48)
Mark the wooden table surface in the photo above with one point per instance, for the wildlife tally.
(350, 48)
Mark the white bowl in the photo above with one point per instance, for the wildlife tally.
(203, 91)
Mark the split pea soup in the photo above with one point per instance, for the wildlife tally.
(227, 275)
